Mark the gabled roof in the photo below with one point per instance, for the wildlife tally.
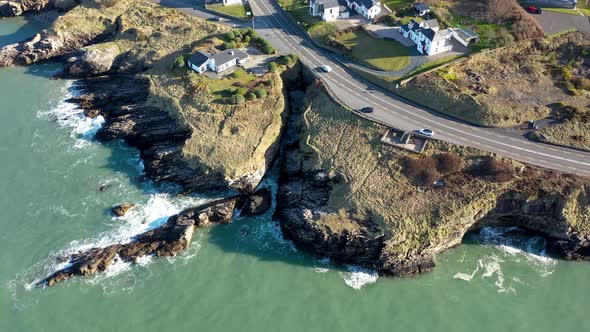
(199, 58)
(228, 55)
(421, 7)
(330, 3)
(433, 23)
(367, 3)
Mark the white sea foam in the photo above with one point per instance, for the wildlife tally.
(152, 214)
(357, 277)
(510, 248)
(69, 115)
(465, 276)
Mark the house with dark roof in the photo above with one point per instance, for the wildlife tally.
(329, 10)
(421, 8)
(430, 40)
(218, 62)
(368, 8)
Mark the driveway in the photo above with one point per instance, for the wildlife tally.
(553, 22)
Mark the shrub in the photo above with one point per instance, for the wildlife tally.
(422, 169)
(179, 62)
(238, 99)
(448, 162)
(582, 83)
(285, 60)
(260, 93)
(237, 32)
(498, 170)
(230, 36)
(566, 73)
(251, 96)
(228, 45)
(272, 67)
(246, 39)
(242, 91)
(294, 57)
(270, 82)
(238, 73)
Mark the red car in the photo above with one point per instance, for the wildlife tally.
(534, 10)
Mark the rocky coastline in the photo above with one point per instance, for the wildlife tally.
(325, 206)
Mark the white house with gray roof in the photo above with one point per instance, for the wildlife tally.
(218, 62)
(430, 40)
(368, 8)
(329, 10)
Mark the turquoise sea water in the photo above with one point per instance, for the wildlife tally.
(240, 277)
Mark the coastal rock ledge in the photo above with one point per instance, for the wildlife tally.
(167, 240)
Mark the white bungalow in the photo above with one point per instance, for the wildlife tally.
(329, 10)
(430, 40)
(202, 61)
(368, 8)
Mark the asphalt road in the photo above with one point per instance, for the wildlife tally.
(553, 22)
(354, 92)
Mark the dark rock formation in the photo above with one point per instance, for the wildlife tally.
(10, 8)
(121, 210)
(121, 100)
(167, 240)
(257, 203)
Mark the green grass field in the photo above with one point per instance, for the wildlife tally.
(233, 10)
(376, 53)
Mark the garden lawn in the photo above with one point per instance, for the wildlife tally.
(382, 54)
(299, 9)
(232, 10)
(396, 4)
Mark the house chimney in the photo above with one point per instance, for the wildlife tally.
(231, 52)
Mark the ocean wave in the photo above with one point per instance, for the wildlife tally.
(357, 277)
(69, 115)
(152, 214)
(510, 247)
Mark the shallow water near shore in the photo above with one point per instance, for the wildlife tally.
(242, 276)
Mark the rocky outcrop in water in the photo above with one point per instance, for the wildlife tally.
(169, 239)
(122, 209)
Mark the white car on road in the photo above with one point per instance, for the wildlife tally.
(326, 68)
(425, 132)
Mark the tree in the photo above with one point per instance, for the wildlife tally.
(251, 96)
(178, 62)
(260, 93)
(242, 91)
(272, 67)
(228, 45)
(238, 99)
(294, 57)
(499, 11)
(246, 39)
(230, 36)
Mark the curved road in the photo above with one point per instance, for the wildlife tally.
(354, 92)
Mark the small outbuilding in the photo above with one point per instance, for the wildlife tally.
(421, 8)
(218, 62)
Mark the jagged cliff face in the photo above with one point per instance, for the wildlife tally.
(123, 53)
(344, 195)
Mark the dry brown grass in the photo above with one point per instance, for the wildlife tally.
(517, 83)
(380, 181)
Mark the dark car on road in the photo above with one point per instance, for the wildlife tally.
(366, 110)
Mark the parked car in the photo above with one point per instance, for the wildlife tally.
(425, 132)
(366, 110)
(534, 10)
(326, 68)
